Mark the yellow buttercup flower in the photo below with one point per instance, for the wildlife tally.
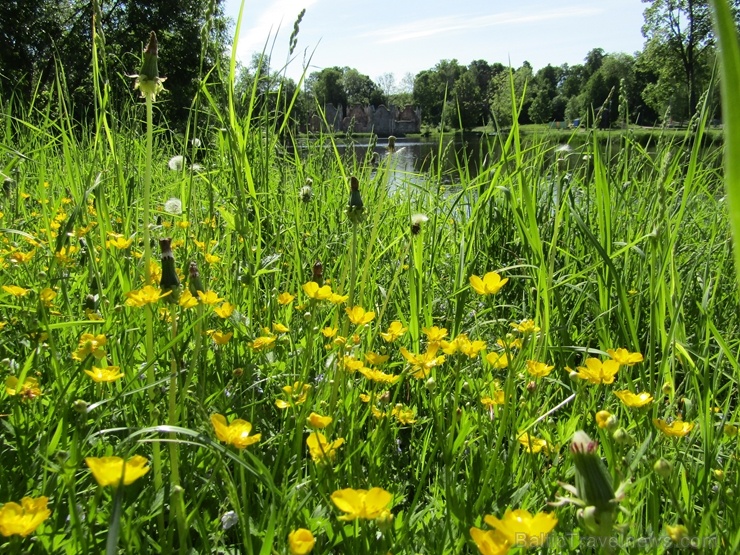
(497, 399)
(90, 344)
(676, 533)
(15, 290)
(18, 257)
(313, 291)
(301, 542)
(209, 297)
(379, 377)
(144, 296)
(677, 428)
(360, 503)
(538, 369)
(634, 400)
(317, 421)
(64, 255)
(422, 363)
(280, 328)
(602, 418)
(403, 415)
(111, 471)
(320, 449)
(375, 359)
(435, 334)
(490, 542)
(489, 285)
(336, 298)
(624, 357)
(509, 343)
(525, 326)
(238, 433)
(351, 364)
(225, 310)
(329, 332)
(219, 337)
(106, 374)
(395, 330)
(47, 296)
(532, 444)
(28, 390)
(211, 258)
(118, 241)
(187, 300)
(23, 519)
(285, 298)
(522, 528)
(498, 360)
(463, 345)
(296, 395)
(358, 316)
(597, 372)
(263, 343)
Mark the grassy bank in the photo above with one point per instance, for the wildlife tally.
(458, 397)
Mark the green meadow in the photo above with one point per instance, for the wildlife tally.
(227, 341)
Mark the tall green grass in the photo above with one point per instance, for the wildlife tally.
(616, 246)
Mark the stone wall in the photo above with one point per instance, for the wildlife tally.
(382, 121)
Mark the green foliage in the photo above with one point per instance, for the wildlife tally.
(604, 245)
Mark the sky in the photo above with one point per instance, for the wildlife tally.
(399, 37)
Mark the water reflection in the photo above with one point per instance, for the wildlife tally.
(413, 160)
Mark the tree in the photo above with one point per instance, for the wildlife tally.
(32, 34)
(326, 87)
(433, 86)
(37, 38)
(501, 102)
(615, 77)
(467, 104)
(545, 85)
(359, 89)
(427, 85)
(678, 33)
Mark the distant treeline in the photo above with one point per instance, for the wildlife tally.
(50, 41)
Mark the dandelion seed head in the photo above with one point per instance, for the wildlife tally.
(176, 163)
(173, 206)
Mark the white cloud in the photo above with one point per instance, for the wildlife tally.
(447, 24)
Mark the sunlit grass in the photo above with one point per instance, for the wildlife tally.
(453, 394)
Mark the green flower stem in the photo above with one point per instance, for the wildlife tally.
(353, 266)
(156, 454)
(177, 502)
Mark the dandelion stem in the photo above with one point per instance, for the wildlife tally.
(177, 503)
(156, 455)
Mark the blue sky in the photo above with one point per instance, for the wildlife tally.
(399, 37)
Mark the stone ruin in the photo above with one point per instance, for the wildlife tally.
(382, 121)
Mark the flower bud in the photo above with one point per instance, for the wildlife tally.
(355, 208)
(663, 468)
(621, 436)
(148, 80)
(318, 273)
(194, 282)
(593, 481)
(430, 384)
(169, 280)
(80, 405)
